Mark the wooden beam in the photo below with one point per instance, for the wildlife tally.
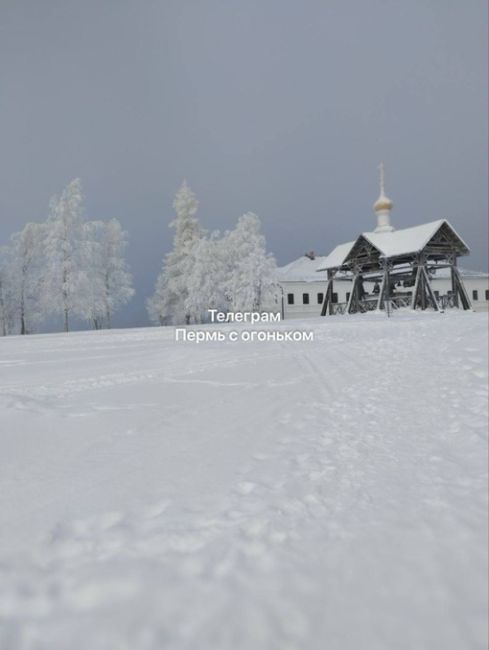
(454, 285)
(414, 301)
(429, 291)
(422, 290)
(380, 299)
(384, 293)
(460, 291)
(327, 303)
(353, 300)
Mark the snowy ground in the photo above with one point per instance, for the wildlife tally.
(317, 496)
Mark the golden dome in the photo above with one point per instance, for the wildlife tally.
(383, 203)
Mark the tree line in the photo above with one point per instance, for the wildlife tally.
(68, 267)
(65, 267)
(230, 271)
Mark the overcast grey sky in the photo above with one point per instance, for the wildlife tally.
(281, 107)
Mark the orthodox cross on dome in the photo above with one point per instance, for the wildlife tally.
(381, 178)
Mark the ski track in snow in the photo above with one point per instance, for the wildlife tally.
(327, 495)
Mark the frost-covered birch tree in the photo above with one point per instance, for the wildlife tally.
(93, 299)
(25, 270)
(250, 282)
(66, 282)
(109, 277)
(6, 303)
(3, 309)
(169, 303)
(66, 266)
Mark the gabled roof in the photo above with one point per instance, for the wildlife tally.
(337, 256)
(392, 244)
(407, 240)
(301, 270)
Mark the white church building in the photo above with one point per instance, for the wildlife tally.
(407, 268)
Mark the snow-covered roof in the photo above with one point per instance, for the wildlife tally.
(391, 244)
(407, 240)
(302, 270)
(337, 256)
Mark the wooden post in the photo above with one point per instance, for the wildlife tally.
(429, 290)
(423, 291)
(460, 291)
(327, 302)
(387, 289)
(454, 285)
(422, 288)
(380, 300)
(385, 292)
(353, 295)
(414, 299)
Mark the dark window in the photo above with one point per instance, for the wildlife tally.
(475, 294)
(347, 296)
(290, 298)
(334, 298)
(305, 298)
(487, 294)
(320, 298)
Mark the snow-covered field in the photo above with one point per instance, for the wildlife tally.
(262, 496)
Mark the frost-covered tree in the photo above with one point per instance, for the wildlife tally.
(158, 306)
(250, 280)
(3, 309)
(233, 272)
(207, 279)
(109, 277)
(66, 282)
(65, 266)
(25, 271)
(169, 303)
(6, 302)
(93, 298)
